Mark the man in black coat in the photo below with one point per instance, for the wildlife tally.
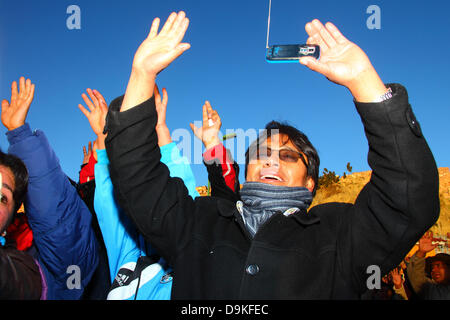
(267, 246)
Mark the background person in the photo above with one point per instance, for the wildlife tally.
(430, 277)
(60, 221)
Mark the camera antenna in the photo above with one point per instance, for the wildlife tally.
(288, 52)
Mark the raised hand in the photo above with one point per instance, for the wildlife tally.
(343, 62)
(97, 110)
(87, 153)
(15, 113)
(154, 54)
(397, 278)
(96, 114)
(160, 49)
(426, 244)
(209, 132)
(161, 107)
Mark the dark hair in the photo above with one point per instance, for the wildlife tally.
(299, 139)
(443, 257)
(20, 173)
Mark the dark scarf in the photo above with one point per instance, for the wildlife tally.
(261, 200)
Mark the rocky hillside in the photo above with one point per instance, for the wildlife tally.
(348, 188)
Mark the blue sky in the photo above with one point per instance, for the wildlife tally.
(226, 66)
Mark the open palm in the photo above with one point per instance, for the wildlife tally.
(158, 50)
(341, 61)
(426, 242)
(97, 110)
(211, 123)
(14, 113)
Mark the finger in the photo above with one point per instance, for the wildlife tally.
(84, 150)
(100, 97)
(315, 65)
(14, 92)
(168, 25)
(324, 33)
(165, 98)
(22, 92)
(195, 130)
(93, 98)
(178, 21)
(181, 30)
(5, 104)
(177, 51)
(85, 112)
(88, 102)
(205, 115)
(337, 35)
(31, 94)
(315, 37)
(27, 87)
(157, 94)
(209, 109)
(90, 146)
(154, 29)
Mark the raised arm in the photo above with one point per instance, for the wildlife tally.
(222, 170)
(142, 184)
(401, 200)
(60, 220)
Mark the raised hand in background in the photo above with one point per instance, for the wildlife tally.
(14, 113)
(211, 124)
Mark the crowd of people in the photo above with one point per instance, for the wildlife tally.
(135, 228)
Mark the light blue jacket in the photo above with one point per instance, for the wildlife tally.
(132, 267)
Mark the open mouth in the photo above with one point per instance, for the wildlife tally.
(271, 177)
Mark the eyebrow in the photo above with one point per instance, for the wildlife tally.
(5, 185)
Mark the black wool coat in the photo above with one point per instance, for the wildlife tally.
(328, 253)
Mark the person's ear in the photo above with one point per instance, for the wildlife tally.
(310, 184)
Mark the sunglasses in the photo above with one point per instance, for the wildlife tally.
(285, 155)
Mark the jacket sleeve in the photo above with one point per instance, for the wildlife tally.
(401, 292)
(179, 167)
(20, 278)
(60, 220)
(401, 200)
(223, 173)
(159, 205)
(119, 235)
(87, 170)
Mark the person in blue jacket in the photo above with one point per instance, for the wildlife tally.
(66, 248)
(137, 273)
